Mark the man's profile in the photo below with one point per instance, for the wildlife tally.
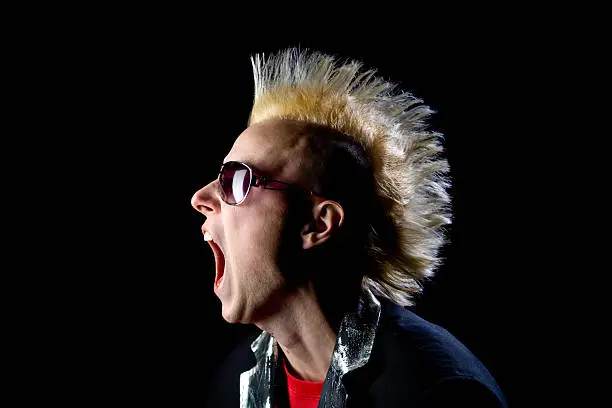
(326, 217)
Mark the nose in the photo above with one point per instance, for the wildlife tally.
(206, 200)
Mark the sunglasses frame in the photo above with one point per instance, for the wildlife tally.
(260, 181)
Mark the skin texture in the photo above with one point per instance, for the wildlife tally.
(263, 238)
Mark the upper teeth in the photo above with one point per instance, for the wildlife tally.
(207, 236)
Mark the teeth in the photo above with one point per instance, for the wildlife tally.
(207, 236)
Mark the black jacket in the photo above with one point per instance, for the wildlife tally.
(413, 363)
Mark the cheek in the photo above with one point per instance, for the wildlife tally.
(254, 233)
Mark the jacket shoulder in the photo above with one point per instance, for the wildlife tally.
(420, 358)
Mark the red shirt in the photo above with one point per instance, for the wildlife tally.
(302, 394)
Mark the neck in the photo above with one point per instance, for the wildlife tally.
(304, 333)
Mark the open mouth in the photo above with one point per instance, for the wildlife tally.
(219, 262)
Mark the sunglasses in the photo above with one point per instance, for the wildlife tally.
(236, 180)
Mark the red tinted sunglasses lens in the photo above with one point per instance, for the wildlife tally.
(235, 181)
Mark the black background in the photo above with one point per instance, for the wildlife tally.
(139, 113)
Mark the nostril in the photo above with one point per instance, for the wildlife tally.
(204, 209)
(201, 207)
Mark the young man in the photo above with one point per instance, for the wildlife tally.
(326, 217)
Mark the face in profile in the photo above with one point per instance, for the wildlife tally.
(247, 238)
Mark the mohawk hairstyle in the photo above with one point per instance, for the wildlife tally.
(410, 174)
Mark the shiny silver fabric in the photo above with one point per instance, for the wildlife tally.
(255, 383)
(352, 350)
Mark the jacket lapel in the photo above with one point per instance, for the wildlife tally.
(351, 352)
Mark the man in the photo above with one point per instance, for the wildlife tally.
(325, 219)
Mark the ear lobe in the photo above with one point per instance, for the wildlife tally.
(327, 217)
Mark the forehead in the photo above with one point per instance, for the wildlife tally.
(275, 147)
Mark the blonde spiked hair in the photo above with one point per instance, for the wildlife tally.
(409, 172)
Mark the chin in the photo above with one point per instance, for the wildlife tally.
(230, 315)
(227, 315)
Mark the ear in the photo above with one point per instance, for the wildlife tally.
(327, 216)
